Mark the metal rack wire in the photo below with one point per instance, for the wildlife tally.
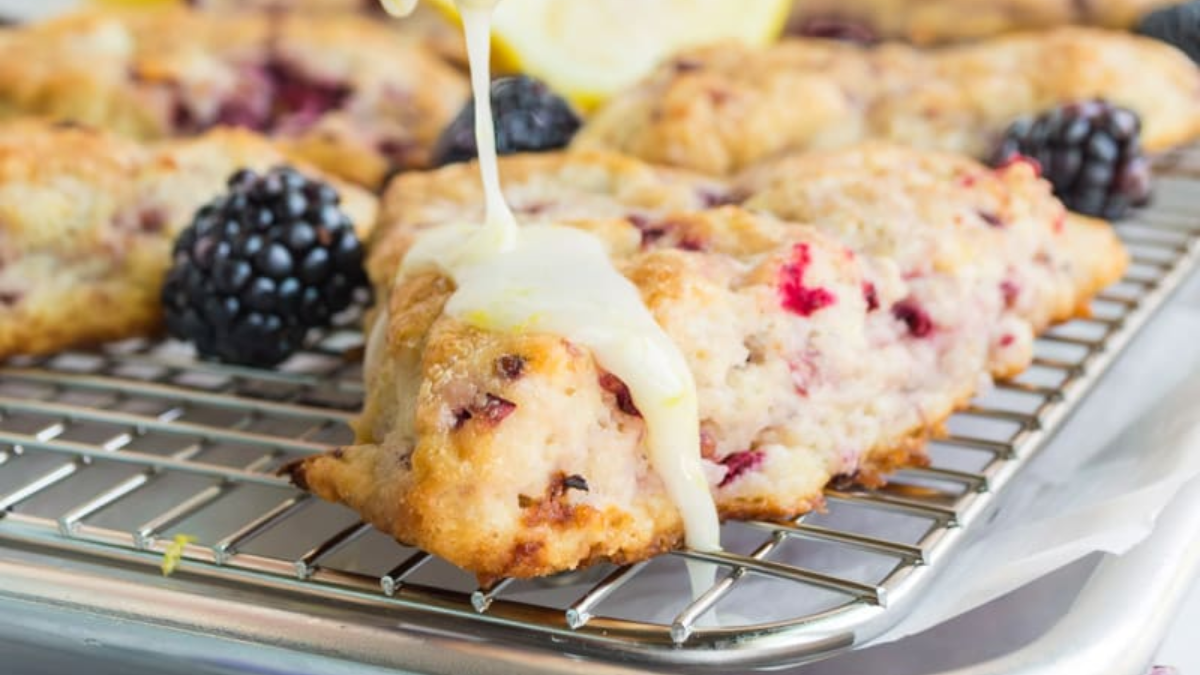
(114, 453)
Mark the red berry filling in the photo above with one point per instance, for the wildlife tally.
(837, 28)
(795, 296)
(275, 97)
(510, 366)
(871, 296)
(613, 385)
(992, 219)
(654, 231)
(713, 198)
(917, 319)
(739, 463)
(1010, 291)
(1018, 158)
(491, 409)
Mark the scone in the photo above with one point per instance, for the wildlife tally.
(720, 109)
(87, 221)
(833, 345)
(935, 21)
(339, 89)
(425, 25)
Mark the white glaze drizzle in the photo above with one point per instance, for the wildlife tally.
(560, 280)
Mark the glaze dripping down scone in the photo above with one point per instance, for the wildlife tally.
(87, 221)
(339, 89)
(935, 21)
(720, 109)
(829, 348)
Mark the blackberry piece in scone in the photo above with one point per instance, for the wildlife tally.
(338, 89)
(938, 21)
(87, 221)
(720, 109)
(833, 345)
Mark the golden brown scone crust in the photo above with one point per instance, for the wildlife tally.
(340, 89)
(832, 322)
(720, 109)
(87, 220)
(938, 21)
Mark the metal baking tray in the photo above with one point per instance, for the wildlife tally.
(106, 456)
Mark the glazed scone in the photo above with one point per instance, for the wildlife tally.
(339, 89)
(87, 221)
(595, 188)
(937, 21)
(829, 348)
(720, 109)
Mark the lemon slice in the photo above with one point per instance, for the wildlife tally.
(589, 49)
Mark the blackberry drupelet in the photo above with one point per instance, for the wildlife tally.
(1090, 151)
(261, 265)
(528, 117)
(1177, 25)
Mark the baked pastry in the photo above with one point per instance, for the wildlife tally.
(719, 109)
(87, 221)
(822, 349)
(338, 89)
(935, 21)
(425, 25)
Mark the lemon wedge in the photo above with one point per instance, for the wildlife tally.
(587, 50)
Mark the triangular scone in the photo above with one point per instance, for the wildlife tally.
(87, 221)
(814, 355)
(935, 21)
(340, 90)
(958, 232)
(720, 109)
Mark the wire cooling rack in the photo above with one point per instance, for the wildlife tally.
(114, 454)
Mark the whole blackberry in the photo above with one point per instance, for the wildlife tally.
(1090, 151)
(528, 117)
(1177, 25)
(261, 265)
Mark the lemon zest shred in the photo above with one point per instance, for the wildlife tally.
(173, 556)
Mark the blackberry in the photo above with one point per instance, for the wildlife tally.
(1090, 151)
(261, 265)
(1177, 25)
(528, 117)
